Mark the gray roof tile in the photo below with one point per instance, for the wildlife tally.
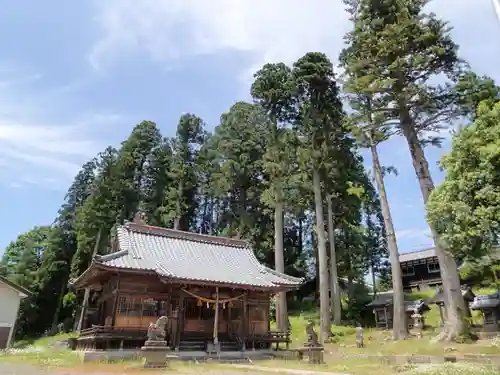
(417, 255)
(191, 256)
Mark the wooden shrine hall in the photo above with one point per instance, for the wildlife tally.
(213, 290)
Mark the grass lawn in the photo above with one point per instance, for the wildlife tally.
(342, 356)
(361, 366)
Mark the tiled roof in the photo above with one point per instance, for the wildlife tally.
(486, 301)
(467, 294)
(386, 299)
(188, 256)
(417, 255)
(382, 299)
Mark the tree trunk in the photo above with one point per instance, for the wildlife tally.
(335, 301)
(178, 207)
(323, 260)
(86, 295)
(374, 281)
(400, 328)
(279, 265)
(55, 319)
(455, 304)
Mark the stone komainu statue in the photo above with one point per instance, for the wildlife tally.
(157, 331)
(312, 336)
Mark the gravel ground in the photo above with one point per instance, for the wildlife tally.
(15, 369)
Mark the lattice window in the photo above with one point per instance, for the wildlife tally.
(433, 267)
(130, 306)
(149, 307)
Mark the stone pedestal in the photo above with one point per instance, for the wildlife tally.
(213, 348)
(155, 354)
(316, 355)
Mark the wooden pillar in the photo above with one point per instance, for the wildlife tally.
(115, 303)
(216, 318)
(101, 312)
(86, 295)
(180, 322)
(441, 314)
(386, 318)
(268, 312)
(244, 323)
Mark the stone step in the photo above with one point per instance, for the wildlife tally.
(192, 348)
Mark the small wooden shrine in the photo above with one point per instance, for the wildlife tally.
(489, 305)
(438, 299)
(383, 310)
(213, 290)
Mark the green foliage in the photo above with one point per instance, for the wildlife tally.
(131, 168)
(23, 257)
(395, 53)
(181, 203)
(465, 207)
(21, 263)
(225, 183)
(472, 89)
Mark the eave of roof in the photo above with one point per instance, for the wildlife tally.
(23, 292)
(417, 255)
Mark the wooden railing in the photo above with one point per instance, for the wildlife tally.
(271, 337)
(113, 331)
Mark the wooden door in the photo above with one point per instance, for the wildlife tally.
(4, 337)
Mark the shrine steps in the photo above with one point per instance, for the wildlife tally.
(229, 346)
(195, 341)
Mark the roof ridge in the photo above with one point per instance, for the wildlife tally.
(111, 256)
(418, 251)
(189, 236)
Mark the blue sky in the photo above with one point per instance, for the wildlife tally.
(77, 76)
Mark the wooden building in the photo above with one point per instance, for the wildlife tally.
(383, 309)
(213, 290)
(420, 270)
(11, 296)
(438, 299)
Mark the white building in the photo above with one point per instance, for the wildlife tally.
(10, 299)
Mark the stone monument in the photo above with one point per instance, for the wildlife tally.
(418, 323)
(312, 336)
(155, 348)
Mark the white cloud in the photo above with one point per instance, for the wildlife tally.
(277, 30)
(45, 139)
(35, 150)
(266, 30)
